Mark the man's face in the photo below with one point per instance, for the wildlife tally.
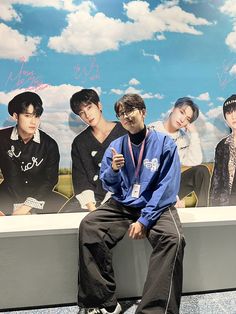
(231, 119)
(132, 119)
(27, 122)
(91, 114)
(180, 117)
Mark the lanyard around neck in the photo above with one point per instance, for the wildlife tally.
(140, 157)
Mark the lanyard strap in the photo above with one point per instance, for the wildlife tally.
(140, 157)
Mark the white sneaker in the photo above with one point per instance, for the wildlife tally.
(104, 311)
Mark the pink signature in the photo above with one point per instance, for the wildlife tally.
(25, 79)
(226, 76)
(90, 73)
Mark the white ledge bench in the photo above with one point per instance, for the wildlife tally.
(39, 257)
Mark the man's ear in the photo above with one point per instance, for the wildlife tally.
(100, 106)
(15, 116)
(144, 111)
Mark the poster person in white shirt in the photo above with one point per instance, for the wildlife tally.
(180, 127)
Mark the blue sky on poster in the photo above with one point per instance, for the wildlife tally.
(162, 50)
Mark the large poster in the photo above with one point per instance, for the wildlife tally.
(161, 50)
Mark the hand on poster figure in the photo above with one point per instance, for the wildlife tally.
(118, 160)
(22, 210)
(191, 127)
(91, 206)
(179, 203)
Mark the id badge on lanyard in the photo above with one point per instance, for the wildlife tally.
(136, 190)
(136, 186)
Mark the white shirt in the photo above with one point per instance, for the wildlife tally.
(188, 144)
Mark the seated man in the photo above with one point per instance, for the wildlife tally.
(87, 151)
(142, 170)
(29, 161)
(179, 126)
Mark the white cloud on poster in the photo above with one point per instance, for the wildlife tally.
(117, 91)
(231, 39)
(160, 37)
(17, 45)
(190, 1)
(134, 81)
(232, 71)
(151, 96)
(8, 13)
(133, 90)
(203, 97)
(221, 99)
(89, 34)
(229, 8)
(154, 56)
(215, 112)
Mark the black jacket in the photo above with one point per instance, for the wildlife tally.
(29, 170)
(220, 194)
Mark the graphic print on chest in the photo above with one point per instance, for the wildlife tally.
(27, 164)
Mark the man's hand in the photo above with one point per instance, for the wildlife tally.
(91, 206)
(180, 203)
(190, 127)
(118, 160)
(137, 231)
(22, 210)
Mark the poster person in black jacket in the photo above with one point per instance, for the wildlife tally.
(87, 151)
(223, 182)
(29, 161)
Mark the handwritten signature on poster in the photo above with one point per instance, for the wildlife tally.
(90, 73)
(227, 73)
(25, 79)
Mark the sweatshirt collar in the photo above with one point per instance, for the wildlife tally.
(15, 135)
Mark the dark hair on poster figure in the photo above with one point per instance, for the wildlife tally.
(83, 98)
(229, 104)
(22, 101)
(186, 101)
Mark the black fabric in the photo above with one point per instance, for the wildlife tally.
(196, 179)
(220, 194)
(138, 137)
(87, 153)
(101, 230)
(29, 170)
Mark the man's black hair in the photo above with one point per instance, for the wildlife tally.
(229, 104)
(84, 97)
(22, 101)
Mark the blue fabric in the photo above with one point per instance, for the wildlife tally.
(159, 176)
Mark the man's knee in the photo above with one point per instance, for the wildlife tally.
(87, 221)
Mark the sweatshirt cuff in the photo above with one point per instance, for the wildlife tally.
(32, 202)
(147, 224)
(111, 174)
(86, 197)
